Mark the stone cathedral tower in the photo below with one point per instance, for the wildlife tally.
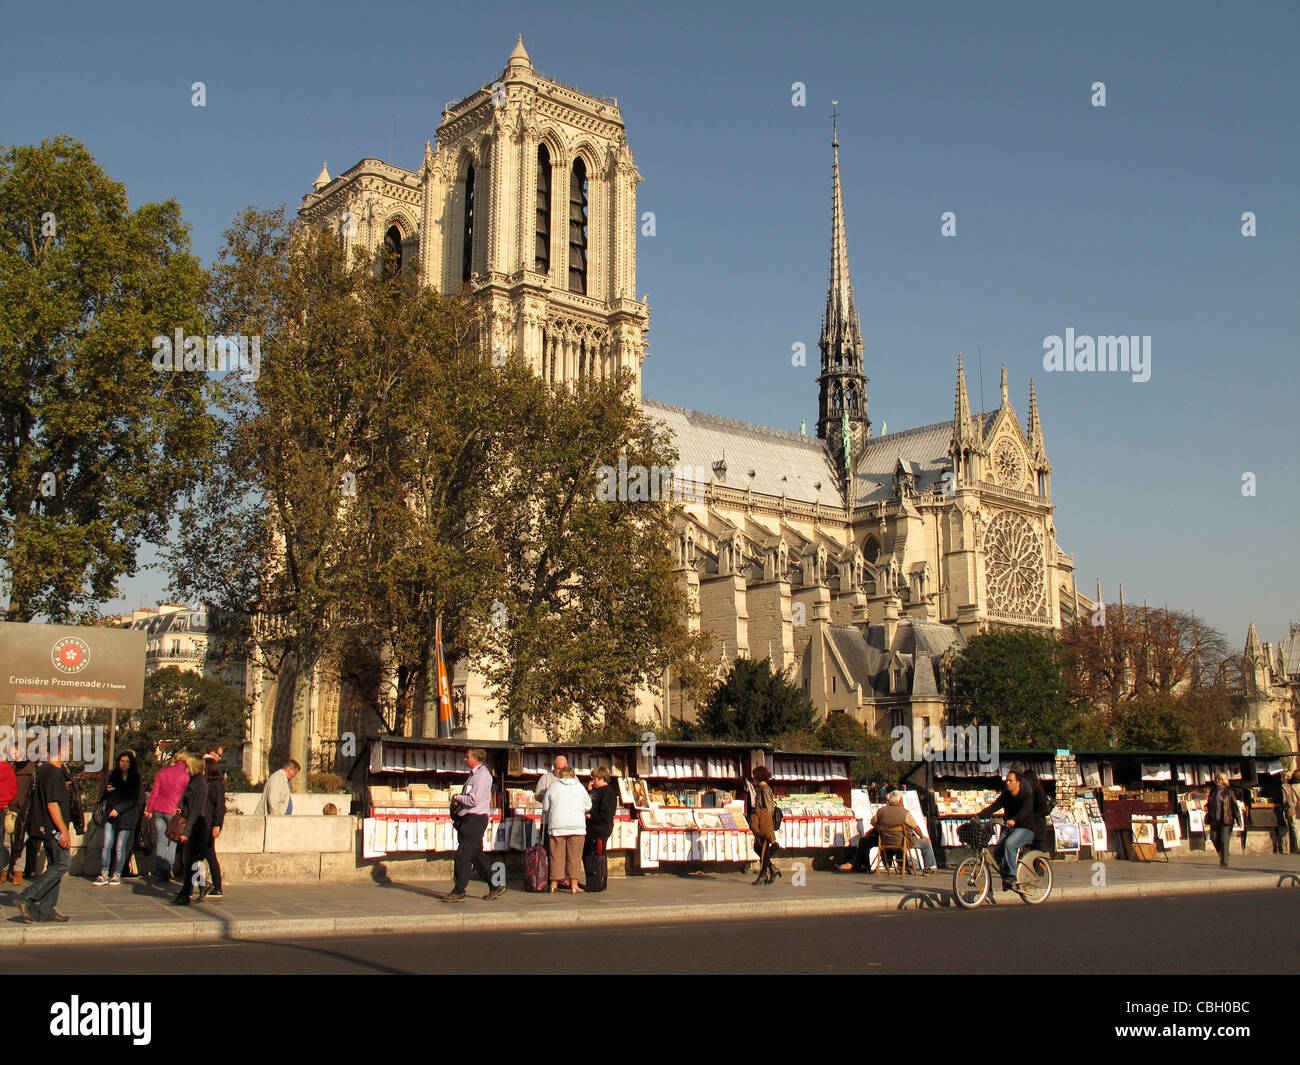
(529, 198)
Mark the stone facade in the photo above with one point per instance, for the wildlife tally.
(858, 563)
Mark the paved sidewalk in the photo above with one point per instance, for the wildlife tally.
(138, 912)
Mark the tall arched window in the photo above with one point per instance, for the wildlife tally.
(578, 228)
(392, 263)
(467, 252)
(542, 254)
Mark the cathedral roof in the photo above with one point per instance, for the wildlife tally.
(924, 448)
(784, 463)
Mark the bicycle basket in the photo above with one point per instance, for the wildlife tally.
(975, 834)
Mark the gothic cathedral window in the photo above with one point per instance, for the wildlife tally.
(467, 236)
(578, 228)
(542, 254)
(392, 263)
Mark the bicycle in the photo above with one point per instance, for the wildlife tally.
(972, 880)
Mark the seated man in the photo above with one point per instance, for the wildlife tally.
(889, 817)
(1017, 804)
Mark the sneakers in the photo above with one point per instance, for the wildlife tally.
(218, 894)
(495, 893)
(454, 896)
(102, 879)
(115, 880)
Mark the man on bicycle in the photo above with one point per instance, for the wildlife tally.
(1017, 804)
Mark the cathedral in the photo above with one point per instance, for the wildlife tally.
(857, 561)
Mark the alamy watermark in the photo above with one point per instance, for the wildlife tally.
(219, 354)
(639, 484)
(36, 743)
(1081, 354)
(954, 743)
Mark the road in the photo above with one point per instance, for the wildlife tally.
(1239, 932)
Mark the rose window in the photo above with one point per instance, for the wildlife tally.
(1008, 465)
(1013, 550)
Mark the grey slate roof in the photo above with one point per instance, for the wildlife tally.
(918, 643)
(783, 462)
(1291, 653)
(923, 451)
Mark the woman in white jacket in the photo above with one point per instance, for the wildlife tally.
(564, 812)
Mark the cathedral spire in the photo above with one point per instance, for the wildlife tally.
(842, 384)
(1036, 442)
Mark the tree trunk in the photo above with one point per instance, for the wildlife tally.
(300, 718)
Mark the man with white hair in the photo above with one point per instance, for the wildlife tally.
(891, 817)
(550, 776)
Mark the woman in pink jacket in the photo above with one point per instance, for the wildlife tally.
(164, 800)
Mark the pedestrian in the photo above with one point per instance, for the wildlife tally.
(164, 801)
(762, 825)
(564, 813)
(600, 818)
(469, 815)
(120, 800)
(8, 793)
(216, 818)
(1291, 809)
(24, 845)
(1222, 814)
(277, 796)
(194, 837)
(51, 823)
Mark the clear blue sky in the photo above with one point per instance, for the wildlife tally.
(1117, 220)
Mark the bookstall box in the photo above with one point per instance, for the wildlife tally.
(690, 804)
(410, 784)
(814, 792)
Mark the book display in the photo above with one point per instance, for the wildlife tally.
(408, 798)
(815, 821)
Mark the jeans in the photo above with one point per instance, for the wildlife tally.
(43, 892)
(1008, 851)
(469, 852)
(164, 849)
(118, 835)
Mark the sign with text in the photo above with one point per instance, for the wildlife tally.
(71, 665)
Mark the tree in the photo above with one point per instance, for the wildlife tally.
(383, 474)
(841, 732)
(1140, 650)
(97, 444)
(1153, 722)
(1012, 679)
(183, 711)
(755, 704)
(593, 609)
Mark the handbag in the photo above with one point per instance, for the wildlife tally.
(100, 814)
(176, 827)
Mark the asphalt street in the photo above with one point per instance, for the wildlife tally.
(1223, 932)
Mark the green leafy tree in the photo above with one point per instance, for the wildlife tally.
(755, 704)
(183, 711)
(1154, 722)
(97, 445)
(1012, 679)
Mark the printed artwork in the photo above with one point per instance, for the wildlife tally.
(641, 794)
(1067, 835)
(1144, 831)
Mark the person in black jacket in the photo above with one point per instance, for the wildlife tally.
(1019, 824)
(216, 816)
(600, 818)
(121, 800)
(195, 839)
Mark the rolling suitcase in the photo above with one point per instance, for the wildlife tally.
(537, 867)
(596, 866)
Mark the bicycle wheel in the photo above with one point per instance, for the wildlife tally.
(970, 882)
(1034, 881)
